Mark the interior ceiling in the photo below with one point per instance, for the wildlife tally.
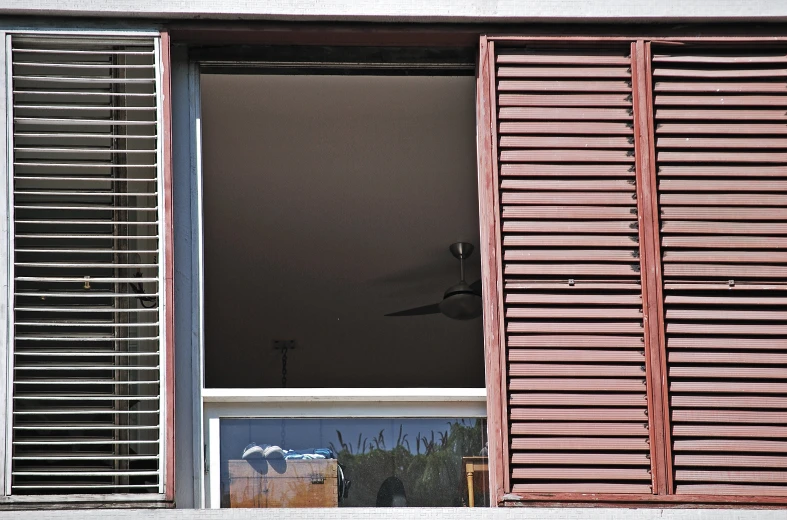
(330, 201)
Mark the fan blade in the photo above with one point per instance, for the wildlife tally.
(476, 287)
(418, 311)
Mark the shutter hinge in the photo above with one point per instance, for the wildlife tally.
(731, 283)
(205, 458)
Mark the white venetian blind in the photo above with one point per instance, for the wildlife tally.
(86, 265)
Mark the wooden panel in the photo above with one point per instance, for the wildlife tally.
(721, 169)
(572, 295)
(260, 483)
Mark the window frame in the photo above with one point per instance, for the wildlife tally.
(322, 403)
(313, 403)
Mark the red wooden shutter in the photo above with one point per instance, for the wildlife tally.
(721, 143)
(577, 394)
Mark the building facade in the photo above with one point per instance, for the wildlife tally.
(198, 195)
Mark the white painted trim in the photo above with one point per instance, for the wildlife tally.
(414, 10)
(5, 417)
(142, 33)
(214, 461)
(198, 283)
(162, 263)
(265, 396)
(9, 271)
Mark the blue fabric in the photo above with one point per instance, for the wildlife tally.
(309, 453)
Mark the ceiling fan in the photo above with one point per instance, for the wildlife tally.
(461, 301)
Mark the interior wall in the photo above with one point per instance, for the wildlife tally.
(330, 201)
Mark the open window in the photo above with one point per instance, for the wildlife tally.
(336, 195)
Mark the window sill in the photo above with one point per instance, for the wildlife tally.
(290, 395)
(86, 501)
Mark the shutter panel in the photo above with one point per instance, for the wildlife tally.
(577, 394)
(87, 241)
(722, 177)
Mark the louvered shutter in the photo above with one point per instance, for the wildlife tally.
(86, 219)
(577, 391)
(721, 142)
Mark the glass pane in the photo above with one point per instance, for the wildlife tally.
(420, 462)
(330, 202)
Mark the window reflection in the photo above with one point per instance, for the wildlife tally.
(378, 462)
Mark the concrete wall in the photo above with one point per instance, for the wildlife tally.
(415, 10)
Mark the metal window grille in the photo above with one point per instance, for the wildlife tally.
(86, 261)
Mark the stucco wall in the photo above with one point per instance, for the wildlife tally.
(415, 10)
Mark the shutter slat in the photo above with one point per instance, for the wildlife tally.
(735, 490)
(573, 385)
(595, 327)
(583, 488)
(717, 213)
(571, 114)
(602, 255)
(87, 362)
(580, 443)
(699, 142)
(636, 414)
(578, 340)
(605, 299)
(721, 129)
(568, 156)
(566, 100)
(522, 58)
(567, 170)
(588, 399)
(723, 387)
(563, 72)
(568, 212)
(722, 171)
(566, 86)
(710, 115)
(751, 461)
(589, 128)
(723, 157)
(623, 459)
(584, 143)
(526, 355)
(715, 87)
(563, 473)
(551, 312)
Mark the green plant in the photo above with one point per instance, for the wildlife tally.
(432, 478)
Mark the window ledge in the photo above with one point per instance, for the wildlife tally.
(290, 395)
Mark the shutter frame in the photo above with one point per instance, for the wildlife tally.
(491, 276)
(491, 170)
(165, 457)
(651, 273)
(697, 306)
